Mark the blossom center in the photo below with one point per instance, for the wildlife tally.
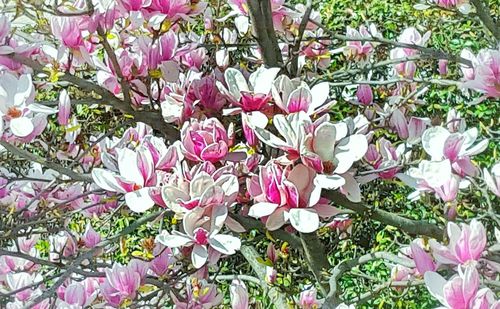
(14, 112)
(201, 236)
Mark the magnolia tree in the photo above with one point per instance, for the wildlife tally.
(151, 148)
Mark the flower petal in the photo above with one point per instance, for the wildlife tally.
(304, 220)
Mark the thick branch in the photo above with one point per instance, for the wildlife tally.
(316, 258)
(413, 227)
(262, 23)
(484, 15)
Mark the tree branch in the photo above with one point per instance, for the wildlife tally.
(54, 166)
(332, 299)
(484, 15)
(413, 227)
(261, 16)
(295, 49)
(436, 54)
(251, 255)
(316, 258)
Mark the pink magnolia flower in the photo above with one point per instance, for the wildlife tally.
(134, 5)
(486, 73)
(251, 99)
(18, 281)
(164, 158)
(248, 97)
(202, 187)
(17, 112)
(364, 94)
(493, 180)
(318, 52)
(205, 140)
(195, 59)
(123, 282)
(413, 37)
(64, 108)
(163, 50)
(293, 96)
(385, 157)
(283, 196)
(76, 296)
(457, 147)
(463, 5)
(308, 299)
(465, 244)
(199, 294)
(205, 92)
(330, 149)
(91, 238)
(436, 177)
(62, 245)
(461, 291)
(4, 27)
(67, 30)
(163, 261)
(135, 179)
(423, 260)
(200, 233)
(342, 224)
(239, 294)
(177, 9)
(411, 130)
(324, 146)
(358, 50)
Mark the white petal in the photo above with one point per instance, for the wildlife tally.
(269, 139)
(262, 79)
(351, 188)
(236, 82)
(435, 284)
(349, 150)
(262, 209)
(304, 220)
(241, 23)
(106, 180)
(225, 244)
(256, 119)
(433, 141)
(170, 71)
(127, 164)
(21, 126)
(39, 108)
(140, 200)
(218, 217)
(173, 240)
(320, 94)
(329, 182)
(199, 256)
(324, 141)
(476, 149)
